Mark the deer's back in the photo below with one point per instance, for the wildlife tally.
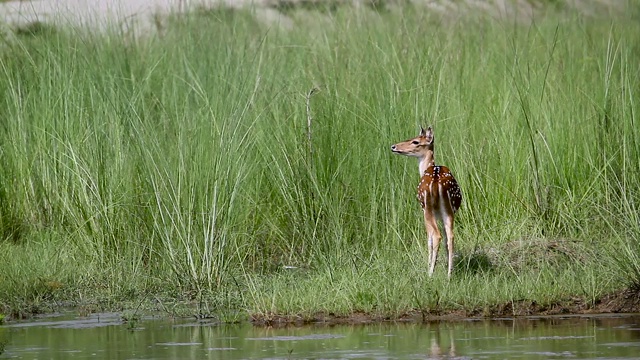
(438, 190)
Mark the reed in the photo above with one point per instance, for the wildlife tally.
(184, 168)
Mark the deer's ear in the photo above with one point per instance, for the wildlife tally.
(428, 134)
(423, 132)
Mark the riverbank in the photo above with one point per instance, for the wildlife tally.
(177, 174)
(620, 302)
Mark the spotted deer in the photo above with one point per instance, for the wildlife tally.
(438, 193)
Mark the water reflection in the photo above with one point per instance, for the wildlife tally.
(442, 345)
(108, 337)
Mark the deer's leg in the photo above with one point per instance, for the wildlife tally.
(434, 239)
(447, 220)
(429, 236)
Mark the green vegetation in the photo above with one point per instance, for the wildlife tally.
(176, 171)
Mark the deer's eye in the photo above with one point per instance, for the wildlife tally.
(415, 142)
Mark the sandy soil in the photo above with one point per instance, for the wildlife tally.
(137, 17)
(145, 16)
(92, 14)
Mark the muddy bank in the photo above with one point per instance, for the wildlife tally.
(625, 301)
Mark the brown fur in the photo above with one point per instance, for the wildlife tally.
(438, 193)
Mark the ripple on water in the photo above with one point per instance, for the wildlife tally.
(69, 324)
(557, 337)
(625, 344)
(302, 337)
(551, 353)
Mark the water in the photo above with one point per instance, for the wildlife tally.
(104, 336)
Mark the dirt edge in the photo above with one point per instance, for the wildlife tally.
(623, 301)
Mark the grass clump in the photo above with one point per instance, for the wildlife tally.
(178, 169)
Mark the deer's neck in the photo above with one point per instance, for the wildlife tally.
(426, 161)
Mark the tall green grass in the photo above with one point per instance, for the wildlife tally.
(178, 168)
